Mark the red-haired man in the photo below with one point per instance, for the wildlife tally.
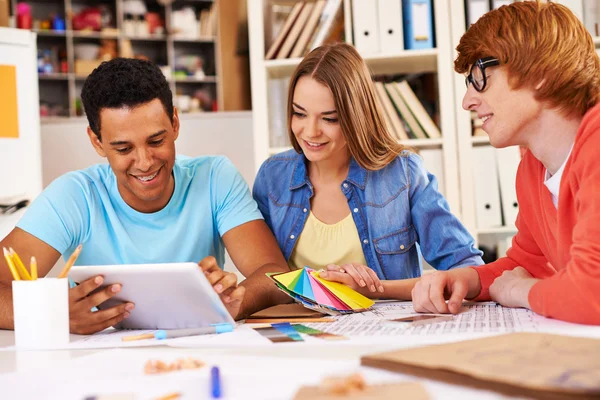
(533, 76)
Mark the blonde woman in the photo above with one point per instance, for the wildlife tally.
(348, 197)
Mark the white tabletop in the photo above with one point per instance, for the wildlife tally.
(309, 359)
(33, 363)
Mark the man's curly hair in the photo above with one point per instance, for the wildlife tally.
(124, 82)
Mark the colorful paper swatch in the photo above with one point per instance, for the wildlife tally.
(306, 287)
(276, 335)
(288, 329)
(317, 333)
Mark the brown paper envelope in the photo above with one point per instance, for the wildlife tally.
(525, 364)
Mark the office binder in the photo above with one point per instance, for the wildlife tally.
(475, 9)
(391, 37)
(508, 160)
(418, 24)
(487, 193)
(434, 162)
(500, 3)
(364, 23)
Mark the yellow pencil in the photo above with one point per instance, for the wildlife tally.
(11, 265)
(19, 264)
(33, 268)
(138, 337)
(170, 396)
(70, 262)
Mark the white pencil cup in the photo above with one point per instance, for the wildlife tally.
(41, 313)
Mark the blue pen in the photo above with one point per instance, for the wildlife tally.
(215, 383)
(175, 333)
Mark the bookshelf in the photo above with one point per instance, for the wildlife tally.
(60, 88)
(437, 60)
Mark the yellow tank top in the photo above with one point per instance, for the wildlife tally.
(320, 244)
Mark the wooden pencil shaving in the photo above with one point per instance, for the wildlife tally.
(343, 385)
(161, 367)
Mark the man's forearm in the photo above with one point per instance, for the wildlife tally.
(6, 306)
(261, 292)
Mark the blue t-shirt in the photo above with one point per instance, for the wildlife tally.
(85, 206)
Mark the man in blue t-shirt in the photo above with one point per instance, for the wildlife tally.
(146, 206)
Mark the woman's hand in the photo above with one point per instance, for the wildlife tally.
(357, 276)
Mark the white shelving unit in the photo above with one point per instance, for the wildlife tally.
(162, 49)
(438, 60)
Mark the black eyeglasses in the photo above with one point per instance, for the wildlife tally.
(477, 74)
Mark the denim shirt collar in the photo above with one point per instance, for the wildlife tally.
(357, 175)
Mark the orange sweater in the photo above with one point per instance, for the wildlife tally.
(561, 247)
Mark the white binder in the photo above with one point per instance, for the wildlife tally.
(508, 160)
(391, 38)
(500, 3)
(434, 162)
(475, 9)
(364, 22)
(487, 193)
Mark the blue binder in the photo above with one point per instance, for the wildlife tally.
(418, 24)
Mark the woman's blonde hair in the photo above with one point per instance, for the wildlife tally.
(340, 68)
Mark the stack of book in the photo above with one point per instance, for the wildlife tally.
(307, 25)
(404, 113)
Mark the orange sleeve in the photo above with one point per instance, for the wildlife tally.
(573, 294)
(524, 252)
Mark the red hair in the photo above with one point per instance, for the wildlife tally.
(538, 42)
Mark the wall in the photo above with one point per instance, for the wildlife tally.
(66, 147)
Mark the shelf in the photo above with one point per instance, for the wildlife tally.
(423, 142)
(408, 61)
(480, 140)
(160, 38)
(194, 40)
(53, 76)
(497, 230)
(283, 67)
(94, 35)
(193, 79)
(49, 33)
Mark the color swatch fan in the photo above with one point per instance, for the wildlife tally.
(307, 288)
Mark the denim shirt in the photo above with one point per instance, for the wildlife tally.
(398, 213)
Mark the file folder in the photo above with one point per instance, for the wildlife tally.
(487, 192)
(418, 24)
(365, 26)
(508, 160)
(391, 37)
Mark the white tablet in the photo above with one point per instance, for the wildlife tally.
(166, 296)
